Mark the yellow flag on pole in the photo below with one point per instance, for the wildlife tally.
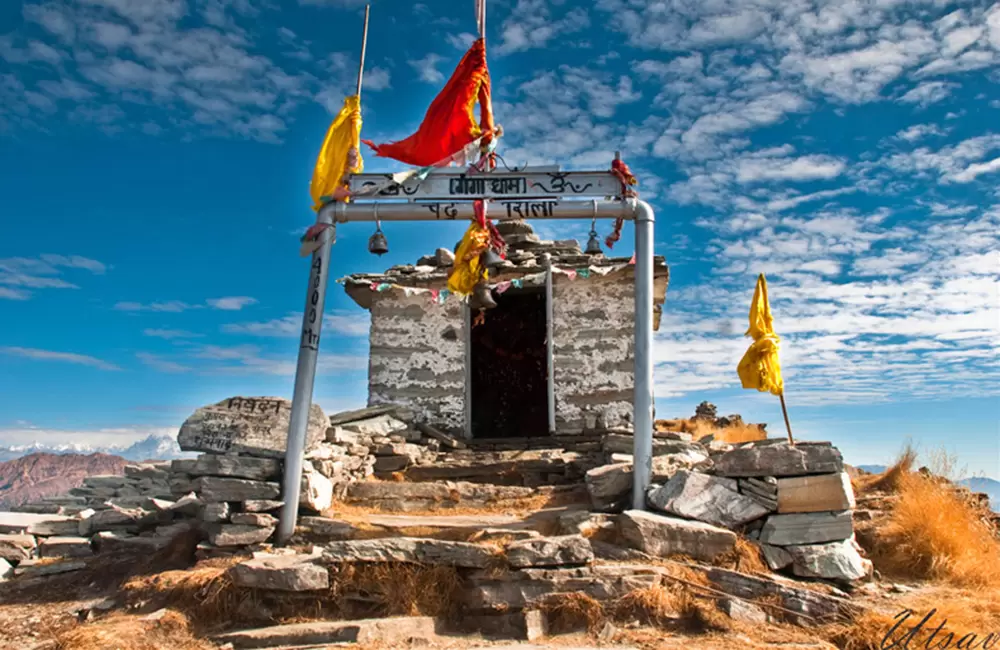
(759, 368)
(340, 154)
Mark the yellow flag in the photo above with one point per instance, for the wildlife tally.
(340, 154)
(465, 272)
(759, 368)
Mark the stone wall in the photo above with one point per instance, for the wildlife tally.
(418, 357)
(593, 353)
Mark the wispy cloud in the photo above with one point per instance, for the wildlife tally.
(42, 272)
(170, 334)
(340, 324)
(66, 357)
(159, 363)
(232, 303)
(427, 68)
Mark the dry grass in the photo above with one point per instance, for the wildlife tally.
(888, 481)
(740, 433)
(573, 611)
(933, 532)
(702, 428)
(122, 632)
(395, 589)
(745, 558)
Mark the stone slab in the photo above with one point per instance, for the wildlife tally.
(261, 520)
(65, 547)
(664, 536)
(833, 561)
(262, 505)
(395, 632)
(281, 573)
(443, 522)
(15, 548)
(257, 426)
(333, 529)
(233, 535)
(564, 550)
(19, 522)
(6, 570)
(212, 488)
(380, 425)
(780, 459)
(711, 499)
(316, 492)
(259, 469)
(34, 569)
(408, 549)
(807, 528)
(824, 492)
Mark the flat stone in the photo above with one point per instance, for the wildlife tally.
(316, 493)
(807, 528)
(151, 471)
(588, 524)
(689, 452)
(609, 485)
(188, 505)
(34, 569)
(260, 469)
(20, 522)
(777, 557)
(740, 610)
(333, 529)
(391, 463)
(232, 535)
(445, 439)
(281, 573)
(6, 570)
(381, 425)
(110, 542)
(393, 632)
(212, 488)
(565, 550)
(825, 492)
(408, 549)
(257, 426)
(65, 547)
(833, 561)
(116, 518)
(260, 520)
(615, 553)
(780, 460)
(15, 548)
(665, 536)
(402, 497)
(345, 417)
(262, 505)
(441, 522)
(113, 481)
(215, 513)
(503, 535)
(710, 499)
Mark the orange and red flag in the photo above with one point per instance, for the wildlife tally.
(449, 124)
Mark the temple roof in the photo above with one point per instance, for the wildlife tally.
(525, 262)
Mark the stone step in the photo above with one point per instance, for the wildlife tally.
(398, 631)
(424, 496)
(537, 470)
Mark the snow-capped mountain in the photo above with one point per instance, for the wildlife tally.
(150, 448)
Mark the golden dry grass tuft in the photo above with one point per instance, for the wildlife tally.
(702, 428)
(745, 557)
(396, 589)
(889, 480)
(568, 612)
(171, 631)
(740, 433)
(933, 532)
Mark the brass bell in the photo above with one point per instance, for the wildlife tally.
(482, 297)
(377, 244)
(594, 243)
(490, 260)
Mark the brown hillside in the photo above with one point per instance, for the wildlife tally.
(39, 475)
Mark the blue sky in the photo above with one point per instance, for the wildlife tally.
(155, 159)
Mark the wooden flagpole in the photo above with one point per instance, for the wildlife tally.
(364, 47)
(784, 411)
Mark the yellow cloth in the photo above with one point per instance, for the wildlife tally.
(759, 368)
(340, 154)
(466, 271)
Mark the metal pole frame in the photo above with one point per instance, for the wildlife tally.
(305, 373)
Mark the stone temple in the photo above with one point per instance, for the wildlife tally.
(489, 379)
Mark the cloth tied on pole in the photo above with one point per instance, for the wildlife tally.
(760, 368)
(340, 155)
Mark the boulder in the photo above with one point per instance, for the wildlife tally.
(780, 459)
(260, 469)
(408, 549)
(833, 561)
(807, 528)
(233, 535)
(316, 493)
(710, 499)
(65, 547)
(665, 536)
(257, 426)
(565, 550)
(777, 558)
(6, 570)
(825, 492)
(281, 573)
(609, 485)
(15, 548)
(212, 488)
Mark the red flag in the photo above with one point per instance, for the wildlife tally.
(449, 124)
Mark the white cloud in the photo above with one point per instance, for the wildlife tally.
(377, 78)
(231, 303)
(159, 363)
(338, 324)
(174, 306)
(971, 172)
(13, 294)
(426, 68)
(41, 273)
(928, 92)
(67, 357)
(531, 25)
(803, 168)
(920, 131)
(169, 334)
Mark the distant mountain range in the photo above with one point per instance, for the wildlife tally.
(976, 484)
(38, 475)
(151, 448)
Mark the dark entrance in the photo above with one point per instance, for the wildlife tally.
(508, 370)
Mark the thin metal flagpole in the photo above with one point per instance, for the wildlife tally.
(364, 48)
(784, 411)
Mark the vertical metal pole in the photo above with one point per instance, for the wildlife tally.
(467, 329)
(549, 344)
(642, 452)
(305, 376)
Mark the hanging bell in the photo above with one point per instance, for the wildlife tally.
(593, 245)
(482, 297)
(377, 244)
(490, 260)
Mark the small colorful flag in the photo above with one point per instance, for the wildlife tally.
(339, 156)
(759, 368)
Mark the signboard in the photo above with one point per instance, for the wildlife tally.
(461, 185)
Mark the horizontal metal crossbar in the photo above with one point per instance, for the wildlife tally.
(458, 185)
(500, 211)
